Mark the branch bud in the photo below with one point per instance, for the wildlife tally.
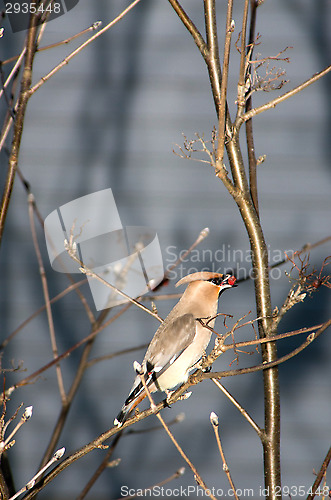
(214, 419)
(59, 453)
(27, 413)
(96, 25)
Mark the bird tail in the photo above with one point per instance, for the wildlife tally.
(121, 417)
(127, 408)
(136, 395)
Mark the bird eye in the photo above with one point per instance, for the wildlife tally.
(216, 281)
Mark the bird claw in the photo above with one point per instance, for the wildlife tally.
(207, 369)
(199, 365)
(169, 394)
(184, 396)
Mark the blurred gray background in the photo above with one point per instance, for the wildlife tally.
(111, 118)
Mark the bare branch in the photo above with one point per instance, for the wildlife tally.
(70, 247)
(242, 410)
(46, 297)
(320, 475)
(140, 416)
(224, 83)
(202, 235)
(101, 468)
(243, 63)
(147, 490)
(81, 47)
(59, 296)
(287, 95)
(19, 121)
(57, 455)
(190, 26)
(240, 371)
(215, 423)
(197, 476)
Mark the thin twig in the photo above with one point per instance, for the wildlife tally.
(96, 443)
(4, 426)
(215, 423)
(252, 161)
(306, 248)
(197, 476)
(93, 27)
(273, 103)
(101, 468)
(265, 365)
(95, 331)
(155, 487)
(224, 84)
(67, 59)
(81, 297)
(75, 385)
(43, 22)
(190, 26)
(279, 336)
(178, 419)
(21, 107)
(70, 246)
(243, 64)
(112, 355)
(320, 475)
(57, 455)
(46, 297)
(7, 126)
(13, 70)
(25, 417)
(213, 60)
(242, 410)
(57, 297)
(202, 235)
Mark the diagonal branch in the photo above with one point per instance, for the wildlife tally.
(190, 26)
(82, 46)
(215, 423)
(242, 410)
(197, 476)
(98, 442)
(272, 104)
(319, 477)
(265, 365)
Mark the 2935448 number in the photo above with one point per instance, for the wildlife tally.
(32, 8)
(294, 491)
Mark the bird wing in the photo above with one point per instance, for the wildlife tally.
(169, 342)
(167, 345)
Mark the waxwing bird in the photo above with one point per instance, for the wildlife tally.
(181, 340)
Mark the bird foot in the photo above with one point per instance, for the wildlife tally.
(207, 369)
(184, 396)
(168, 394)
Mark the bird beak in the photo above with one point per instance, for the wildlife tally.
(229, 281)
